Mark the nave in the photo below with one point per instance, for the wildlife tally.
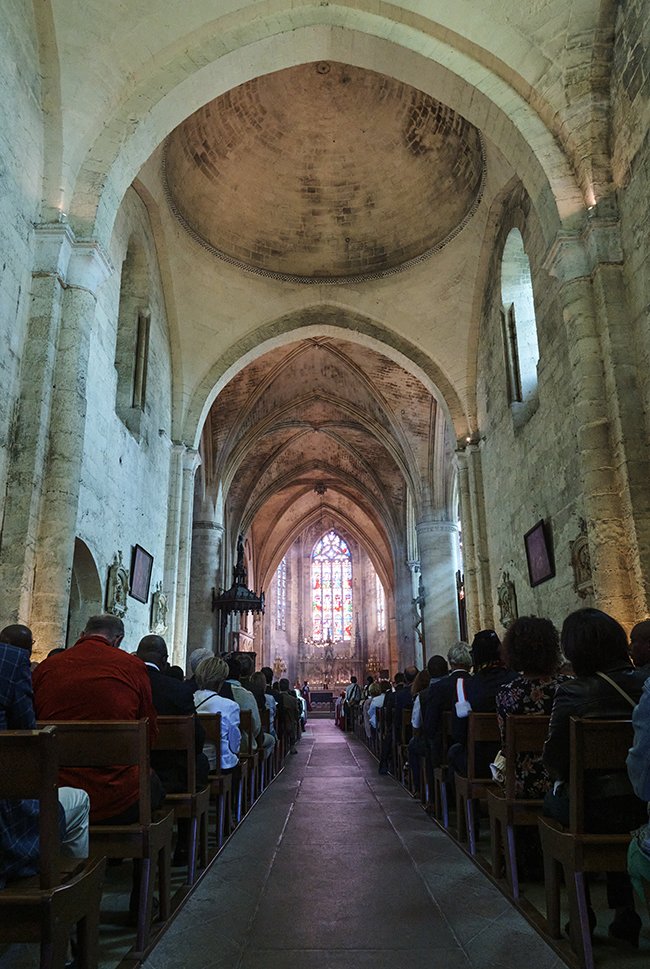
(337, 866)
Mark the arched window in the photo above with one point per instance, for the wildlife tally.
(518, 319)
(281, 595)
(331, 582)
(381, 604)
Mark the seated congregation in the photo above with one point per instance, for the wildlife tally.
(542, 743)
(111, 756)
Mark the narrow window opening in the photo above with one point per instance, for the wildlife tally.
(141, 360)
(519, 325)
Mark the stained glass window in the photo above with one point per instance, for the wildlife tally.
(281, 595)
(331, 581)
(381, 604)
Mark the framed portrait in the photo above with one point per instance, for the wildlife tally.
(539, 554)
(141, 568)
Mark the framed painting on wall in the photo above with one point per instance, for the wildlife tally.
(141, 568)
(539, 554)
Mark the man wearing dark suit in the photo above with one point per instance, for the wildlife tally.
(441, 696)
(171, 698)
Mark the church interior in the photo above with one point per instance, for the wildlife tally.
(350, 298)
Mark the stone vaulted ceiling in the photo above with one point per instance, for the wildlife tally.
(324, 171)
(322, 412)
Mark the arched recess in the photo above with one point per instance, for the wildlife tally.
(319, 321)
(86, 595)
(132, 343)
(520, 324)
(486, 92)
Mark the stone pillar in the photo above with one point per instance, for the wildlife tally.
(484, 612)
(575, 261)
(53, 246)
(437, 544)
(470, 564)
(207, 537)
(70, 275)
(183, 464)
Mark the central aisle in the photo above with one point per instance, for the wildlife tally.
(337, 867)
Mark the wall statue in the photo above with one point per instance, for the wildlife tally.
(117, 587)
(507, 599)
(581, 563)
(159, 609)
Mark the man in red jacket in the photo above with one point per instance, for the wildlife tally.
(95, 680)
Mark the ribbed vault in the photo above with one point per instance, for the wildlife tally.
(324, 412)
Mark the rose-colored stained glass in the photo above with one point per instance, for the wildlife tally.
(331, 575)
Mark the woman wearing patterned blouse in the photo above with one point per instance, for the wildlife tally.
(531, 646)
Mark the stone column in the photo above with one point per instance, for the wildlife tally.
(437, 543)
(183, 464)
(470, 564)
(483, 611)
(574, 261)
(86, 267)
(53, 246)
(190, 460)
(207, 537)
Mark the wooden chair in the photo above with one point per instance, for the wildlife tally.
(67, 892)
(248, 761)
(404, 732)
(481, 728)
(177, 734)
(595, 745)
(269, 763)
(524, 735)
(121, 743)
(440, 775)
(220, 783)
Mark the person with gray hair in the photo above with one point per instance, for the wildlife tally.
(211, 673)
(196, 657)
(440, 697)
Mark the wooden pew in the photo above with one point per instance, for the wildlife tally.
(125, 743)
(481, 728)
(66, 892)
(177, 734)
(524, 735)
(594, 745)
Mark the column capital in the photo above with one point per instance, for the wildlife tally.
(191, 460)
(208, 526)
(574, 255)
(78, 263)
(430, 526)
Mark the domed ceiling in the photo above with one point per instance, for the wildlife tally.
(324, 172)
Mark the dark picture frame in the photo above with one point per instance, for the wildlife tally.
(539, 553)
(141, 569)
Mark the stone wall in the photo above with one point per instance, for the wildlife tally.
(21, 151)
(125, 478)
(631, 164)
(529, 460)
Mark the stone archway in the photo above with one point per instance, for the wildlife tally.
(86, 594)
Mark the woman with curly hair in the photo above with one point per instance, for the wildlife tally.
(531, 647)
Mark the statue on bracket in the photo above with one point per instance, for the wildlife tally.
(158, 612)
(117, 587)
(507, 599)
(418, 611)
(581, 563)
